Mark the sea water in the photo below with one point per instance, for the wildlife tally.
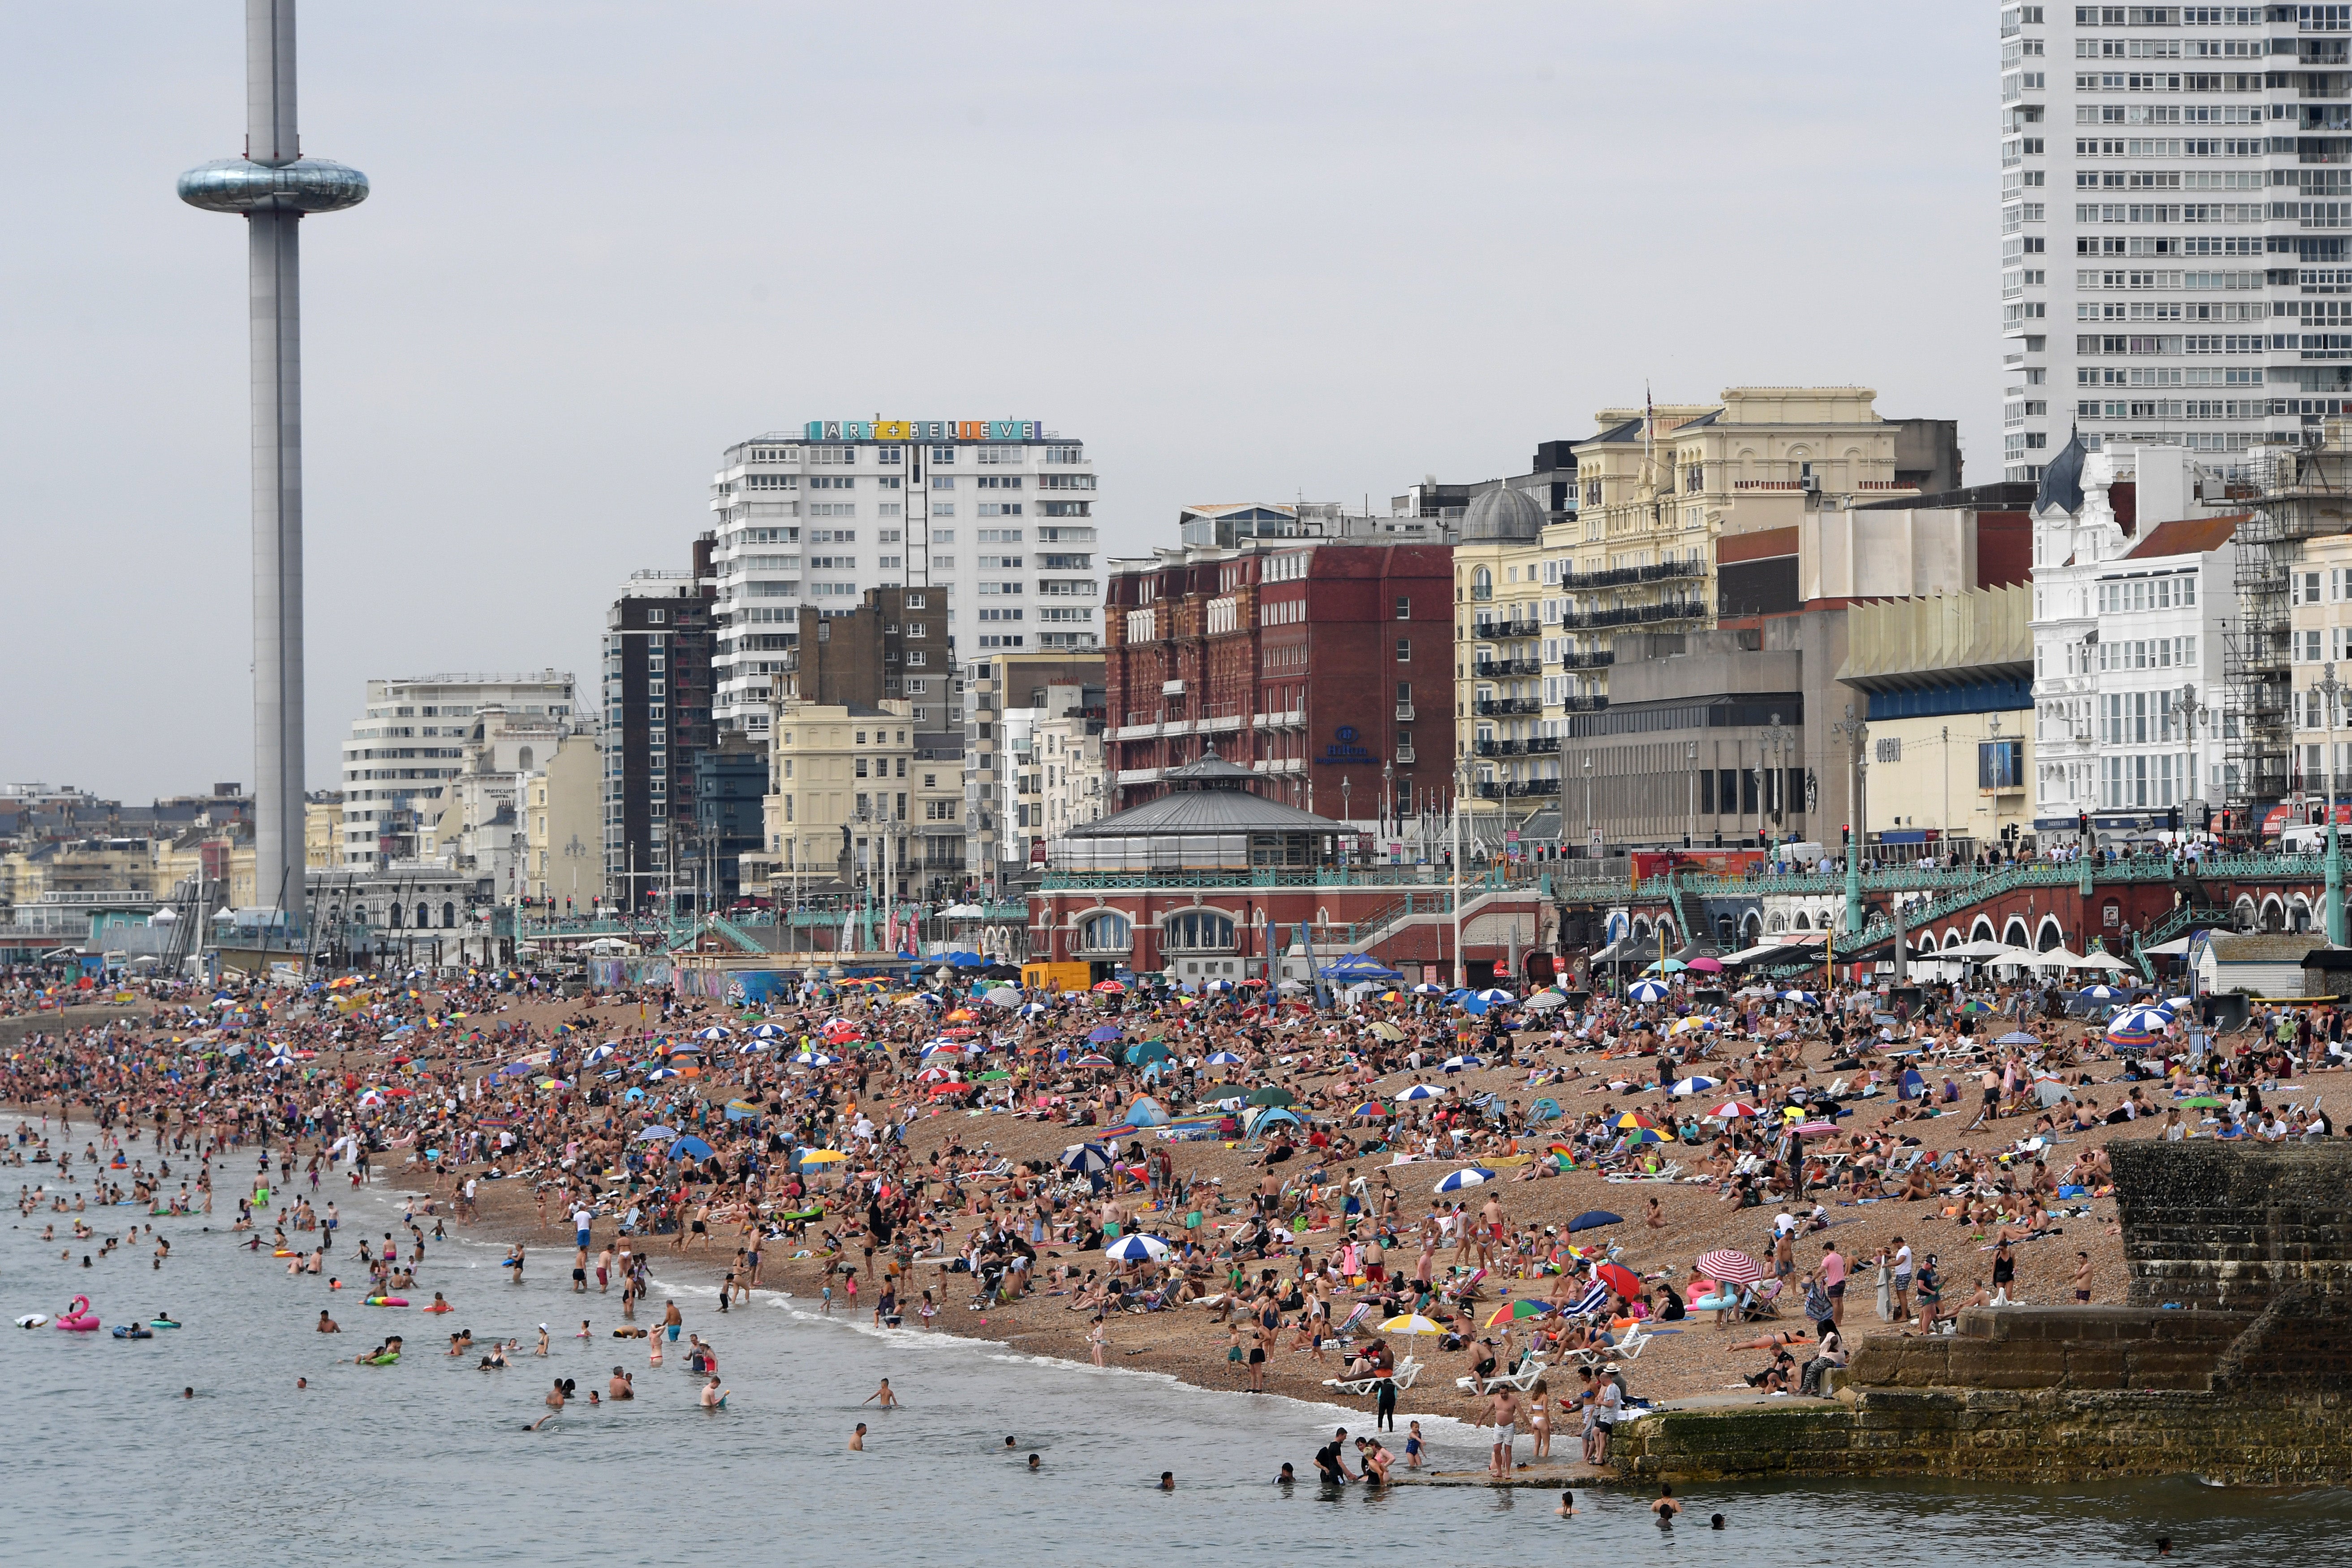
(428, 1461)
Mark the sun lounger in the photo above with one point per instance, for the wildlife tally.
(1518, 1380)
(1402, 1375)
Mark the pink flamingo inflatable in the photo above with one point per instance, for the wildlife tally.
(79, 1319)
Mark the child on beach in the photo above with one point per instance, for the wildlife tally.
(1413, 1446)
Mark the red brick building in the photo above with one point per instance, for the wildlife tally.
(1327, 663)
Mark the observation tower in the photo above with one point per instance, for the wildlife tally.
(272, 187)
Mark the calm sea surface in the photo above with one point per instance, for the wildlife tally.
(428, 1461)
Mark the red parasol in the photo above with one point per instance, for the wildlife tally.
(1620, 1278)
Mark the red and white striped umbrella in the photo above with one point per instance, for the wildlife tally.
(1737, 1268)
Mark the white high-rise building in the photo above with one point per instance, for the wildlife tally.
(410, 742)
(998, 514)
(2175, 207)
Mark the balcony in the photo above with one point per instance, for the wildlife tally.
(1526, 626)
(1491, 669)
(1139, 775)
(1523, 787)
(1584, 704)
(1627, 577)
(1136, 732)
(1586, 660)
(1171, 689)
(1546, 745)
(1221, 724)
(1404, 713)
(1635, 615)
(1504, 707)
(1404, 751)
(1487, 790)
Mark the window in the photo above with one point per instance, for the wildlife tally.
(1482, 583)
(1403, 609)
(1105, 932)
(1404, 650)
(2000, 764)
(656, 618)
(1199, 930)
(1889, 750)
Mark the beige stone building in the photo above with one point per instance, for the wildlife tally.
(1068, 756)
(563, 803)
(850, 800)
(1673, 518)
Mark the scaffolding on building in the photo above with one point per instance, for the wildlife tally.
(2297, 493)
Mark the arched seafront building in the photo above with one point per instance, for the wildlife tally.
(1201, 883)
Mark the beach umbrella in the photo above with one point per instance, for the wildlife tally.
(935, 1075)
(1108, 988)
(665, 1072)
(2099, 994)
(1094, 1059)
(1545, 1001)
(1633, 1136)
(1271, 1094)
(1428, 988)
(2138, 1025)
(1003, 996)
(600, 1052)
(716, 1032)
(1084, 1159)
(1802, 998)
(1815, 1129)
(1103, 1033)
(1514, 1311)
(1223, 1059)
(1695, 1085)
(1593, 1219)
(1620, 1278)
(1461, 1181)
(1144, 1051)
(1410, 1324)
(1732, 1267)
(1493, 995)
(1455, 1063)
(1732, 1109)
(1384, 1030)
(1419, 1092)
(822, 1156)
(694, 1147)
(771, 1031)
(1976, 1006)
(1371, 1110)
(1666, 966)
(1648, 990)
(815, 1059)
(1704, 964)
(2018, 1038)
(2202, 1102)
(1136, 1250)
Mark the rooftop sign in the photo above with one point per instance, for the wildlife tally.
(924, 430)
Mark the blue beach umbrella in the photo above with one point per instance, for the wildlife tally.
(694, 1147)
(1649, 991)
(1461, 1181)
(1136, 1250)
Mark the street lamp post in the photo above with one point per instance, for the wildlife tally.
(2330, 691)
(1856, 732)
(1590, 848)
(1690, 768)
(1461, 783)
(1775, 738)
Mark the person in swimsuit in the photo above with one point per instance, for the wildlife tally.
(1505, 1410)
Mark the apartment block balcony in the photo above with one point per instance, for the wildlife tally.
(1404, 713)
(1404, 751)
(1490, 668)
(1522, 787)
(1600, 660)
(1501, 707)
(1584, 704)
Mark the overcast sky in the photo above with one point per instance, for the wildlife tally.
(1244, 252)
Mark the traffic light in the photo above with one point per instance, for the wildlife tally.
(1845, 835)
(2172, 819)
(2082, 825)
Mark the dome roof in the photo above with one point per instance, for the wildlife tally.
(2061, 481)
(1502, 514)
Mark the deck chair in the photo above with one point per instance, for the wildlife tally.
(1347, 1325)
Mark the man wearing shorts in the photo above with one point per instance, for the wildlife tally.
(1833, 1279)
(1504, 1409)
(1902, 1280)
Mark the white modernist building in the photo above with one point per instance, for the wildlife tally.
(409, 744)
(2127, 644)
(2174, 225)
(998, 514)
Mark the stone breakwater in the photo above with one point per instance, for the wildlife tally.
(2232, 1362)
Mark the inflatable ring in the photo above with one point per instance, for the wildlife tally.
(79, 1319)
(386, 1301)
(285, 1252)
(442, 1307)
(162, 1323)
(33, 1321)
(134, 1331)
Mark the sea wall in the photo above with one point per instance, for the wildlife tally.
(2231, 1362)
(1996, 1434)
